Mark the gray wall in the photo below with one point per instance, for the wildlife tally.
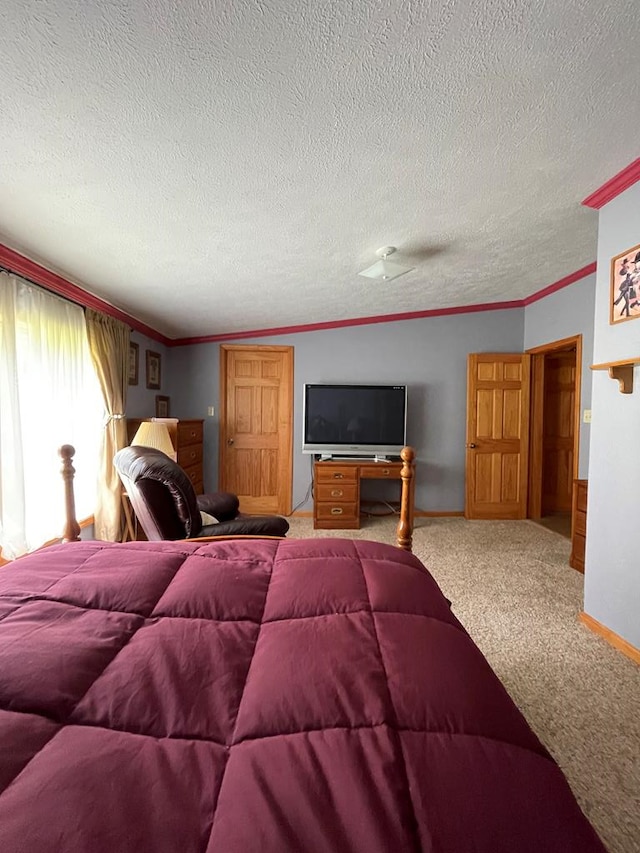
(612, 571)
(565, 313)
(141, 401)
(429, 355)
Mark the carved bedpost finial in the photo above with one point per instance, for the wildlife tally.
(71, 532)
(404, 533)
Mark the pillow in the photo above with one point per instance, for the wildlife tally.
(208, 519)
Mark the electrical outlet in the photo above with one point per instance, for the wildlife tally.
(586, 416)
(211, 411)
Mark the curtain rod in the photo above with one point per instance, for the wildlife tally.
(3, 268)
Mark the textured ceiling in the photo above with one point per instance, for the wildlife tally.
(211, 167)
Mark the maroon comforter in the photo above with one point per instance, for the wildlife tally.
(309, 695)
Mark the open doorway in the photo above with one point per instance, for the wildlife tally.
(554, 431)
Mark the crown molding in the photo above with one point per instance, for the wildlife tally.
(558, 285)
(35, 272)
(614, 186)
(354, 321)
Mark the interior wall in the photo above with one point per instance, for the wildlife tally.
(428, 354)
(612, 567)
(141, 401)
(562, 314)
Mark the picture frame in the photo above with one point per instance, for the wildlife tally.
(134, 359)
(624, 301)
(162, 406)
(154, 364)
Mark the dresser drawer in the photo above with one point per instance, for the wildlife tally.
(578, 547)
(337, 492)
(189, 432)
(581, 495)
(190, 455)
(330, 473)
(194, 473)
(381, 471)
(580, 523)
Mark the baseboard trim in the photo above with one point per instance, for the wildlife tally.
(438, 513)
(419, 513)
(610, 636)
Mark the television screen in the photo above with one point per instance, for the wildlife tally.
(354, 419)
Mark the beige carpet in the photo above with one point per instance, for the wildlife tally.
(512, 588)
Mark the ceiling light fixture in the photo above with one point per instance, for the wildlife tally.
(383, 269)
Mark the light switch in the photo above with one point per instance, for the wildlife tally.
(586, 416)
(211, 411)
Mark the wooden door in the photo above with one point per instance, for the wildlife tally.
(256, 394)
(497, 435)
(540, 425)
(558, 431)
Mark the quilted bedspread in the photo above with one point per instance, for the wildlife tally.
(259, 695)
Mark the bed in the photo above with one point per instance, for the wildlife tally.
(267, 695)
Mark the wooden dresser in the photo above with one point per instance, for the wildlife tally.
(186, 436)
(336, 496)
(578, 524)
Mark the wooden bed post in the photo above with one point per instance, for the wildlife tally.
(71, 532)
(404, 534)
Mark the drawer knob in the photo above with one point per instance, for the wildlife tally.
(336, 510)
(338, 476)
(386, 471)
(336, 493)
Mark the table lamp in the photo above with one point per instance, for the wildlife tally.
(153, 434)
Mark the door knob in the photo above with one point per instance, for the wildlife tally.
(229, 441)
(471, 446)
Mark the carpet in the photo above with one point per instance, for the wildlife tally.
(512, 588)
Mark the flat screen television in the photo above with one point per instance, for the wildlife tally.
(354, 420)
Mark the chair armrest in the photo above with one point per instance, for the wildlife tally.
(221, 505)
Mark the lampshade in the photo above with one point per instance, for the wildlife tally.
(156, 435)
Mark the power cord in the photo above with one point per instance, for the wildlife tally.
(308, 495)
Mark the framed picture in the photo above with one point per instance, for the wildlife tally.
(162, 406)
(625, 286)
(134, 353)
(153, 369)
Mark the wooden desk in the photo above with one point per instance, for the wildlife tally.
(336, 494)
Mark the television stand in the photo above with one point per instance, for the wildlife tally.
(336, 494)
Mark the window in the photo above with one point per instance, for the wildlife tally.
(49, 396)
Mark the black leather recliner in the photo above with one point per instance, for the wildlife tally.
(166, 505)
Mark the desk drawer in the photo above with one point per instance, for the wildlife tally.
(331, 473)
(381, 471)
(337, 492)
(338, 512)
(581, 522)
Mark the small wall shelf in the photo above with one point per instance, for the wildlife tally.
(620, 370)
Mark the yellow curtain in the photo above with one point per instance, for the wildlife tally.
(109, 345)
